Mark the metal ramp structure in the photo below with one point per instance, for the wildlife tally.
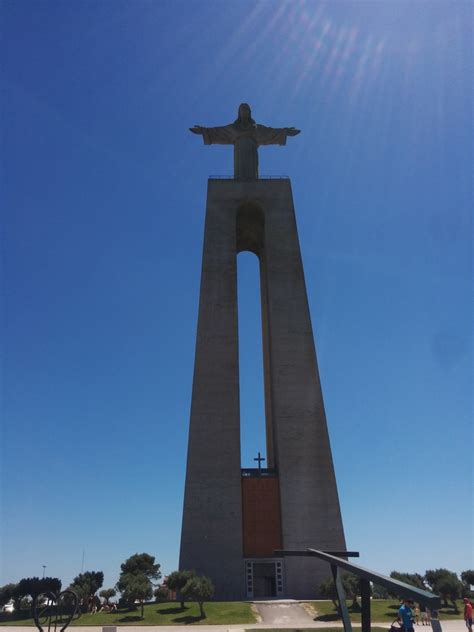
(338, 564)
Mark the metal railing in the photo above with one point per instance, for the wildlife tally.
(406, 591)
(249, 180)
(248, 472)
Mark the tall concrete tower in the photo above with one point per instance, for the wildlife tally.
(235, 518)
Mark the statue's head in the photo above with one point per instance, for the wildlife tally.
(245, 114)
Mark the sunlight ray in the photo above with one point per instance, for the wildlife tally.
(235, 42)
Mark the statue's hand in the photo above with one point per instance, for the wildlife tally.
(197, 129)
(292, 131)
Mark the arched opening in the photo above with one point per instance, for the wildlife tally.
(252, 398)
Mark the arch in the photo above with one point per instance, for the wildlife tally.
(251, 367)
(250, 225)
(250, 237)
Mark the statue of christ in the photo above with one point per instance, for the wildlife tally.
(246, 136)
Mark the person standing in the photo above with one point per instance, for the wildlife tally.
(468, 613)
(428, 616)
(417, 614)
(405, 614)
(424, 616)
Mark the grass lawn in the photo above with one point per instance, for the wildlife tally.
(217, 612)
(381, 610)
(224, 612)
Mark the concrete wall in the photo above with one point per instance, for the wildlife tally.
(298, 441)
(211, 538)
(309, 501)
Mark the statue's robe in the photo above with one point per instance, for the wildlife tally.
(246, 141)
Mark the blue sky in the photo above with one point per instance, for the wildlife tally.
(104, 197)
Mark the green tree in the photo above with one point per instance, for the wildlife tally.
(446, 584)
(134, 588)
(6, 593)
(468, 581)
(86, 585)
(107, 594)
(177, 580)
(351, 585)
(327, 590)
(18, 594)
(379, 592)
(135, 579)
(199, 589)
(141, 563)
(414, 579)
(34, 586)
(161, 593)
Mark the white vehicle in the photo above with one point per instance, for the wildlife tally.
(8, 607)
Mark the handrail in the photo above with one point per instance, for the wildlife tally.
(423, 597)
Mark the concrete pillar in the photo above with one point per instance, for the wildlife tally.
(258, 216)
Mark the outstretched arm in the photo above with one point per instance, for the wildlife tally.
(215, 135)
(274, 135)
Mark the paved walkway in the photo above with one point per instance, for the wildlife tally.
(284, 614)
(453, 625)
